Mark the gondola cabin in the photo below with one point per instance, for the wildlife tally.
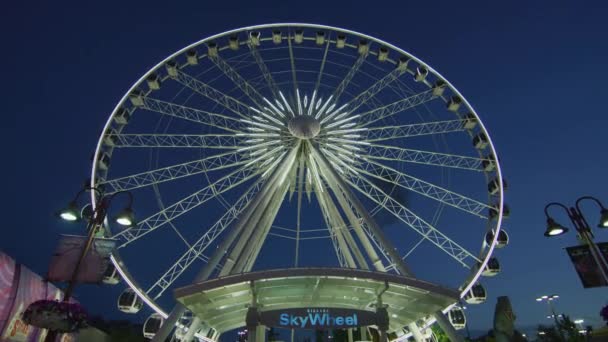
(457, 318)
(152, 325)
(476, 295)
(111, 276)
(492, 268)
(129, 302)
(501, 241)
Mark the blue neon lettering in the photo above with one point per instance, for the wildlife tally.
(284, 319)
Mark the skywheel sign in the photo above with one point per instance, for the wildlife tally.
(317, 318)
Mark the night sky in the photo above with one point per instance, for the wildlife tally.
(535, 74)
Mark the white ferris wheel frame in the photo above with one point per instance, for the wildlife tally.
(120, 266)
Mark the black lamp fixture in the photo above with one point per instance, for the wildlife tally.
(554, 228)
(126, 217)
(603, 218)
(70, 212)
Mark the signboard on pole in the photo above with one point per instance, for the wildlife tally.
(586, 266)
(93, 265)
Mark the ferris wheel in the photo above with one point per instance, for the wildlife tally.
(297, 145)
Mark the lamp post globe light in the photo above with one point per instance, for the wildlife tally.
(305, 136)
(582, 227)
(95, 220)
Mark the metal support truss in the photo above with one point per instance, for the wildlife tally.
(419, 225)
(191, 114)
(215, 95)
(349, 76)
(456, 200)
(237, 79)
(363, 97)
(399, 154)
(169, 173)
(219, 141)
(197, 249)
(379, 113)
(407, 131)
(264, 70)
(184, 205)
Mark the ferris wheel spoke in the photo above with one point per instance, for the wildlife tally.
(322, 67)
(210, 141)
(349, 76)
(200, 246)
(169, 173)
(393, 153)
(228, 102)
(425, 229)
(342, 240)
(451, 198)
(370, 92)
(292, 62)
(264, 70)
(413, 130)
(385, 111)
(191, 114)
(237, 79)
(184, 205)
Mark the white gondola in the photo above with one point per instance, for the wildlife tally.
(382, 53)
(480, 141)
(493, 186)
(233, 42)
(492, 268)
(454, 104)
(192, 57)
(489, 163)
(457, 318)
(501, 241)
(122, 116)
(439, 87)
(152, 325)
(110, 138)
(341, 41)
(470, 121)
(493, 212)
(212, 49)
(182, 328)
(129, 302)
(421, 73)
(254, 38)
(153, 81)
(320, 38)
(276, 36)
(476, 295)
(171, 67)
(402, 64)
(137, 98)
(363, 47)
(298, 36)
(111, 275)
(103, 161)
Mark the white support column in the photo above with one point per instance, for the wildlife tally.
(207, 270)
(416, 333)
(260, 335)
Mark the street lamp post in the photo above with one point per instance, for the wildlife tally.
(94, 224)
(582, 228)
(549, 299)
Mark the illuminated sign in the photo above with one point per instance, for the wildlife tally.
(316, 318)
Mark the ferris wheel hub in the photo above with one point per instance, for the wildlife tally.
(304, 127)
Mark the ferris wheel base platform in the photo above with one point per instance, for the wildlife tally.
(223, 303)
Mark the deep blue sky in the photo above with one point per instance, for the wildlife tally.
(536, 75)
